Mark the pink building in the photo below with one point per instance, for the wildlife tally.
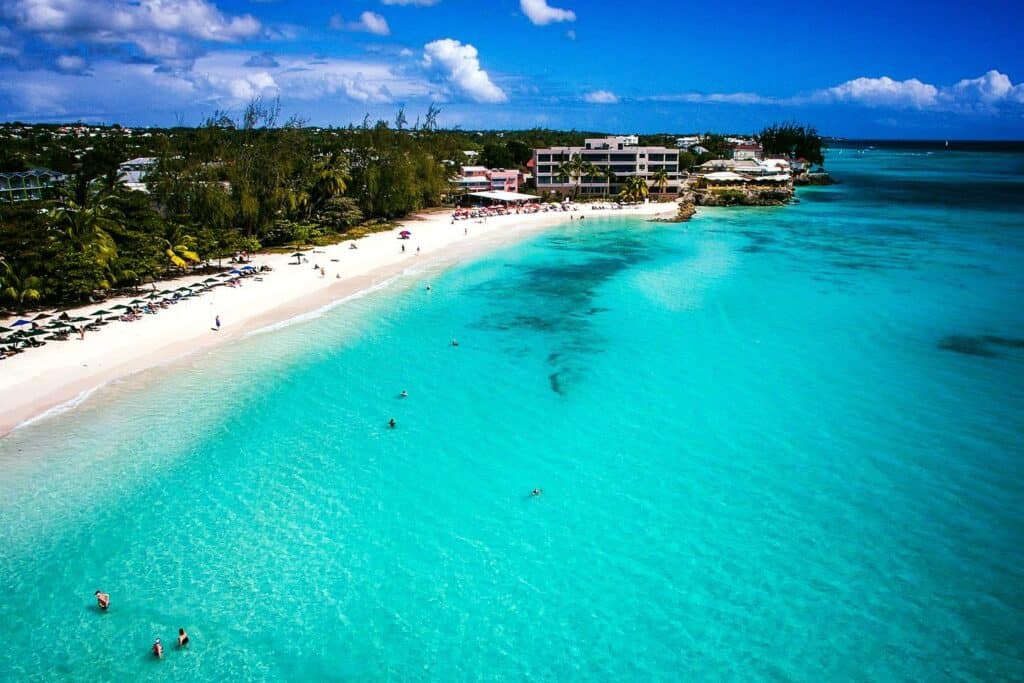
(501, 179)
(479, 178)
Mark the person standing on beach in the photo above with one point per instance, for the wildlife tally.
(217, 322)
(102, 600)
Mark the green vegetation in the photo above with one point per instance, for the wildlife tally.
(792, 140)
(251, 182)
(634, 189)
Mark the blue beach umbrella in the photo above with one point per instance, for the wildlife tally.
(21, 321)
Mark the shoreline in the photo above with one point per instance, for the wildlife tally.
(44, 383)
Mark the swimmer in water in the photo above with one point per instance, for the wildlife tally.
(392, 423)
(182, 638)
(102, 600)
(535, 492)
(455, 342)
(158, 649)
(404, 394)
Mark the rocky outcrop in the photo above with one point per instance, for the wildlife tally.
(814, 179)
(685, 213)
(743, 196)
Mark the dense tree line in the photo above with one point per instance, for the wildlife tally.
(241, 183)
(792, 140)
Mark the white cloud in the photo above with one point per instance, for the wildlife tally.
(158, 28)
(248, 87)
(461, 67)
(714, 98)
(10, 46)
(413, 3)
(989, 93)
(541, 13)
(986, 91)
(601, 97)
(369, 22)
(70, 63)
(570, 34)
(114, 91)
(885, 92)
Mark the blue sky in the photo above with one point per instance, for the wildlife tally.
(864, 69)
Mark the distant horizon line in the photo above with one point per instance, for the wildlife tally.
(830, 138)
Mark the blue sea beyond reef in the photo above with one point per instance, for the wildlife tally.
(774, 444)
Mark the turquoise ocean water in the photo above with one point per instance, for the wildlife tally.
(774, 444)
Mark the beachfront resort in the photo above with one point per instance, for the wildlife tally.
(162, 231)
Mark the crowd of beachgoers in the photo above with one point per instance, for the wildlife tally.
(502, 210)
(38, 330)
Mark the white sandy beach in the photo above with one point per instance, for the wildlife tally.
(41, 379)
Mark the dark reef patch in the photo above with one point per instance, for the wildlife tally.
(555, 298)
(979, 345)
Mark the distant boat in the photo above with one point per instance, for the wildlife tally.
(947, 144)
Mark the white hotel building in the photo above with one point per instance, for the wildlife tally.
(622, 154)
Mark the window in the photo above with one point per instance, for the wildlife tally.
(543, 157)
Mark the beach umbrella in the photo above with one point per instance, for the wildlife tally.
(167, 291)
(100, 312)
(405, 233)
(21, 321)
(120, 306)
(42, 316)
(210, 279)
(182, 289)
(136, 301)
(79, 320)
(35, 333)
(248, 268)
(154, 295)
(4, 329)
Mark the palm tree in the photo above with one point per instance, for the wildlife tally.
(89, 216)
(610, 176)
(634, 189)
(179, 247)
(19, 286)
(575, 168)
(660, 179)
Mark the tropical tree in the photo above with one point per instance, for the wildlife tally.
(610, 176)
(180, 248)
(20, 286)
(89, 217)
(660, 178)
(575, 169)
(792, 140)
(634, 189)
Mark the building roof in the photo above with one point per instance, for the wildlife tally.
(725, 176)
(502, 196)
(141, 161)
